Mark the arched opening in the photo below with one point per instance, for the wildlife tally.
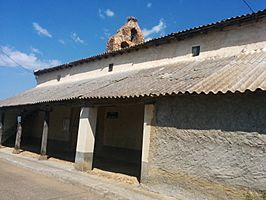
(133, 34)
(124, 44)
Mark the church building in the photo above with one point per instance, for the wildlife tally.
(184, 113)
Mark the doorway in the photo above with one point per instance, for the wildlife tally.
(118, 144)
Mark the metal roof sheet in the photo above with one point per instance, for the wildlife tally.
(236, 73)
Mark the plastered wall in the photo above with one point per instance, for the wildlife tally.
(208, 146)
(219, 43)
(59, 128)
(125, 131)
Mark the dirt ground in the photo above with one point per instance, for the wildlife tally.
(97, 172)
(19, 183)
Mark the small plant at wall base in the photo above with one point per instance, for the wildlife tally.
(263, 195)
(256, 196)
(250, 196)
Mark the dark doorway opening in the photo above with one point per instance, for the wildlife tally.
(10, 128)
(118, 144)
(63, 132)
(32, 123)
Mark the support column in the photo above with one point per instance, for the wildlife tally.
(149, 113)
(1, 127)
(86, 138)
(45, 131)
(18, 136)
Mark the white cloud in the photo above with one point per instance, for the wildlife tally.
(159, 28)
(106, 32)
(34, 50)
(40, 30)
(109, 13)
(76, 38)
(29, 61)
(148, 38)
(100, 13)
(61, 41)
(149, 5)
(106, 13)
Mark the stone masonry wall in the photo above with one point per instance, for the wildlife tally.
(128, 35)
(208, 146)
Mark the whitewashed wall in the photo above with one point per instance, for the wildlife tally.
(220, 43)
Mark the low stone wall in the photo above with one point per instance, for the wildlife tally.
(209, 146)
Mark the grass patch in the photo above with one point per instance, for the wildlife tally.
(263, 195)
(250, 196)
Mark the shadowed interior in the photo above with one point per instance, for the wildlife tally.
(119, 139)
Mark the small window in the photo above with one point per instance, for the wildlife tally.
(112, 115)
(195, 51)
(111, 66)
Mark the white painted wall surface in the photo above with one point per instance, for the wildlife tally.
(214, 45)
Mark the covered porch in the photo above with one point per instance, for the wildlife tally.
(115, 137)
(48, 130)
(112, 136)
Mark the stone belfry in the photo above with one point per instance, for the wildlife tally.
(128, 35)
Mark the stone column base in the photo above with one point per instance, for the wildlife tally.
(43, 157)
(144, 171)
(16, 151)
(83, 161)
(82, 166)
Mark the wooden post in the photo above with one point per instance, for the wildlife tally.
(1, 127)
(43, 155)
(18, 136)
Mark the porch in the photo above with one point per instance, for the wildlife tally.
(26, 129)
(111, 137)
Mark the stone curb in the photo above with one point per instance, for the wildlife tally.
(102, 187)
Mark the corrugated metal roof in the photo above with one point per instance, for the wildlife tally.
(156, 41)
(236, 73)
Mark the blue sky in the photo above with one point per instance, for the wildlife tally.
(38, 34)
